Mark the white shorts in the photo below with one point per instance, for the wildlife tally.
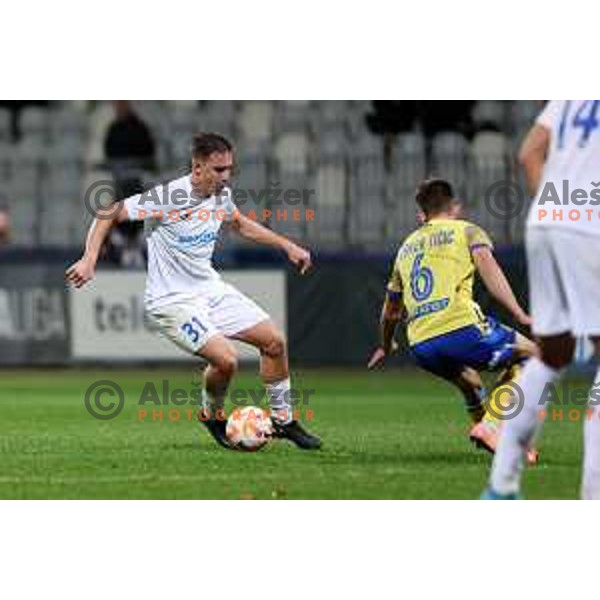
(191, 321)
(564, 281)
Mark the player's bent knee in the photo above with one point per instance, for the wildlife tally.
(227, 364)
(275, 346)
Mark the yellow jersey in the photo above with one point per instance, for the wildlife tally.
(434, 271)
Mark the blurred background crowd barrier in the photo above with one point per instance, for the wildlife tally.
(361, 161)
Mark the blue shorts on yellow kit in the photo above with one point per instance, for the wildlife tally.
(484, 348)
(433, 273)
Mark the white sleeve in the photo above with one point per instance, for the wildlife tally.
(141, 206)
(226, 203)
(551, 114)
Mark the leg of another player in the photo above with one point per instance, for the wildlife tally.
(470, 384)
(487, 434)
(525, 348)
(556, 353)
(590, 489)
(484, 432)
(274, 371)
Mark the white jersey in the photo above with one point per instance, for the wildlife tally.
(569, 193)
(181, 230)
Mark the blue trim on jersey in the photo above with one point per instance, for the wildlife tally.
(447, 355)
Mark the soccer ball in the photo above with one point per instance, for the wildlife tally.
(249, 428)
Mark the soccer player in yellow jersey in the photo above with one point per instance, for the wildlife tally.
(431, 289)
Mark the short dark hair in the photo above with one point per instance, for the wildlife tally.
(434, 195)
(204, 144)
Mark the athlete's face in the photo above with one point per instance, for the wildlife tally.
(211, 174)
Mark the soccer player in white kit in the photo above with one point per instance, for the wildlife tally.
(561, 158)
(187, 298)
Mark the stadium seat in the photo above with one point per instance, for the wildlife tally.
(250, 187)
(177, 105)
(5, 126)
(251, 174)
(68, 122)
(408, 168)
(295, 230)
(296, 104)
(490, 113)
(367, 193)
(97, 189)
(68, 149)
(367, 165)
(218, 116)
(292, 116)
(409, 159)
(28, 162)
(356, 118)
(54, 224)
(34, 124)
(368, 219)
(330, 115)
(524, 113)
(181, 150)
(183, 121)
(64, 180)
(330, 205)
(449, 158)
(410, 144)
(489, 145)
(6, 152)
(255, 120)
(100, 119)
(331, 186)
(292, 153)
(332, 148)
(156, 116)
(24, 214)
(449, 143)
(490, 165)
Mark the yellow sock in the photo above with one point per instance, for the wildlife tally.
(499, 396)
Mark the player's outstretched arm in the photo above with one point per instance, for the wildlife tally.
(532, 156)
(391, 313)
(496, 283)
(254, 231)
(84, 269)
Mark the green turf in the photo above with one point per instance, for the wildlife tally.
(397, 434)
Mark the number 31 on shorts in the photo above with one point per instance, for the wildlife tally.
(193, 329)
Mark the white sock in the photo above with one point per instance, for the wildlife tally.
(590, 489)
(279, 396)
(517, 433)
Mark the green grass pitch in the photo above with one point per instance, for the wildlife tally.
(394, 434)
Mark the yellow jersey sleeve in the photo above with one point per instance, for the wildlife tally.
(395, 280)
(477, 237)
